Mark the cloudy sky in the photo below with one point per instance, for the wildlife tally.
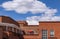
(32, 11)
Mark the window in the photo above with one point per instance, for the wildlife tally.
(10, 28)
(44, 34)
(31, 32)
(23, 32)
(51, 33)
(14, 29)
(5, 28)
(18, 31)
(36, 32)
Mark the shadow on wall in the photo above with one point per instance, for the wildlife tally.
(21, 37)
(52, 37)
(13, 36)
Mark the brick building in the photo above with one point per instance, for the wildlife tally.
(45, 30)
(11, 29)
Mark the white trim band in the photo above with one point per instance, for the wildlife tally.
(9, 25)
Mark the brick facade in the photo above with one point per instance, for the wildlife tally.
(44, 25)
(11, 29)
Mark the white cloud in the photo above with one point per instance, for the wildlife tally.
(50, 12)
(34, 20)
(33, 6)
(48, 16)
(56, 18)
(24, 6)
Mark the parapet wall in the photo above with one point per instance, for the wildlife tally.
(6, 19)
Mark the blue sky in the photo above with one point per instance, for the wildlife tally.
(53, 5)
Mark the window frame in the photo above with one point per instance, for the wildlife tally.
(52, 33)
(44, 34)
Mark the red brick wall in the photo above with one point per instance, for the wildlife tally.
(43, 25)
(0, 19)
(1, 33)
(25, 27)
(13, 37)
(6, 19)
(48, 26)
